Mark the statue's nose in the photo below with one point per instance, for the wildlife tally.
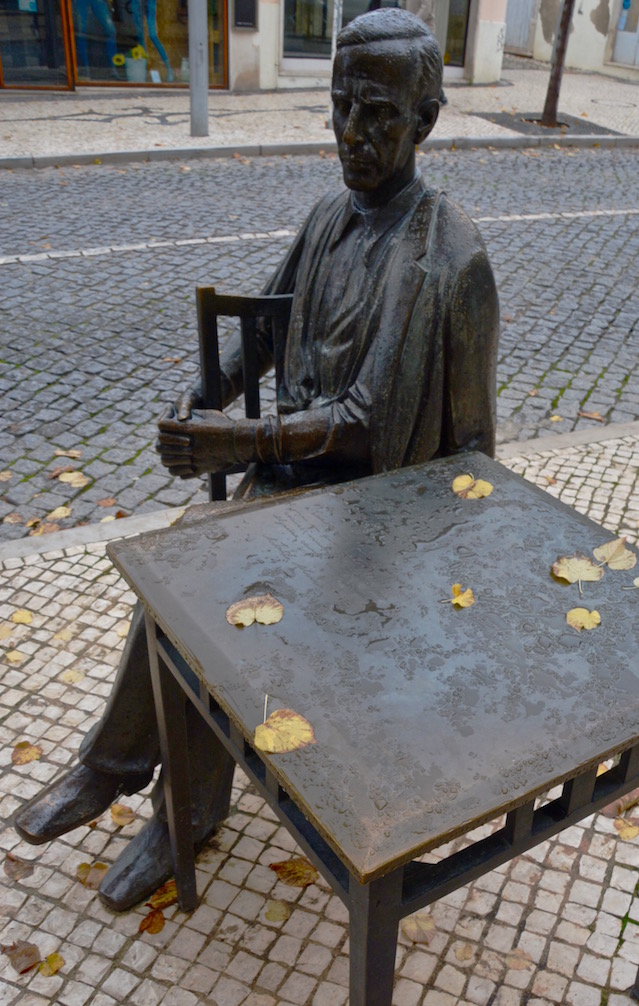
(353, 128)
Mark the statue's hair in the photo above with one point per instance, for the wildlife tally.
(392, 24)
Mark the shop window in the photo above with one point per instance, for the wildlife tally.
(32, 43)
(626, 44)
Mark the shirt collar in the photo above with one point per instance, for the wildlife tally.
(381, 218)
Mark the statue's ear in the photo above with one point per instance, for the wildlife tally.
(427, 117)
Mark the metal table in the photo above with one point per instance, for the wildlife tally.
(429, 720)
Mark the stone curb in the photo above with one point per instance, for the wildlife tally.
(94, 534)
(514, 142)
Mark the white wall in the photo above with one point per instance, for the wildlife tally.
(486, 37)
(591, 23)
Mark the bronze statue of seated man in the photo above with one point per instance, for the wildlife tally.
(389, 360)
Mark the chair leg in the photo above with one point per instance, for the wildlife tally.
(170, 706)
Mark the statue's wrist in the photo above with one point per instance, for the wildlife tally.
(245, 440)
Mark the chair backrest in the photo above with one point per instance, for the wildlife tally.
(272, 314)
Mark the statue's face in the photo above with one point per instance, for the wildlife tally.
(376, 116)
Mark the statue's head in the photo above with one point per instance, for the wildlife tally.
(387, 78)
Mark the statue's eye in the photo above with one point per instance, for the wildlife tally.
(342, 107)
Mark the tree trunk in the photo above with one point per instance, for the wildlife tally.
(549, 116)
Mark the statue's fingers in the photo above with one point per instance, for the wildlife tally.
(169, 413)
(178, 440)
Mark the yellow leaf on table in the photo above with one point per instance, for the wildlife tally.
(263, 608)
(72, 676)
(165, 896)
(75, 479)
(59, 513)
(51, 965)
(628, 828)
(615, 555)
(122, 815)
(284, 731)
(91, 874)
(469, 488)
(277, 911)
(518, 959)
(581, 618)
(15, 656)
(576, 568)
(295, 872)
(419, 928)
(153, 922)
(461, 598)
(22, 617)
(24, 752)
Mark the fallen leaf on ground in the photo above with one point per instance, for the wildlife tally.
(13, 518)
(48, 527)
(577, 568)
(109, 517)
(75, 479)
(621, 806)
(628, 828)
(91, 874)
(22, 617)
(153, 922)
(6, 631)
(165, 896)
(23, 956)
(591, 415)
(550, 480)
(61, 452)
(615, 555)
(469, 488)
(263, 608)
(55, 473)
(556, 419)
(464, 952)
(6, 475)
(72, 676)
(123, 629)
(59, 513)
(581, 618)
(533, 392)
(171, 359)
(109, 501)
(15, 656)
(32, 522)
(17, 868)
(277, 911)
(419, 928)
(24, 752)
(461, 598)
(295, 872)
(51, 965)
(518, 959)
(66, 634)
(122, 815)
(284, 731)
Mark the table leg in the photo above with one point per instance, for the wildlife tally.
(170, 708)
(374, 923)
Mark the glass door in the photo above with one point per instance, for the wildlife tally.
(34, 45)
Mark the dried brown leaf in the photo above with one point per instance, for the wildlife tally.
(464, 952)
(51, 965)
(6, 475)
(277, 911)
(75, 479)
(628, 827)
(122, 815)
(108, 501)
(23, 956)
(615, 555)
(591, 415)
(61, 452)
(153, 922)
(13, 518)
(262, 608)
(295, 872)
(518, 959)
(419, 928)
(55, 473)
(165, 896)
(91, 874)
(17, 868)
(621, 806)
(48, 527)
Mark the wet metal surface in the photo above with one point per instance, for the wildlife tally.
(428, 719)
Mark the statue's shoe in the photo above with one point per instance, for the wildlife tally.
(144, 865)
(77, 798)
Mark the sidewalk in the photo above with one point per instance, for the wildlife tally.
(119, 125)
(557, 925)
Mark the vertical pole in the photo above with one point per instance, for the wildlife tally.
(199, 66)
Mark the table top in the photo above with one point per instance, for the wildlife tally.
(429, 719)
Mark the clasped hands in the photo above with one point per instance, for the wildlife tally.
(192, 441)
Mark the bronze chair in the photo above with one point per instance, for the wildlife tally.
(269, 316)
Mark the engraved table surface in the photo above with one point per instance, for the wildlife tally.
(429, 719)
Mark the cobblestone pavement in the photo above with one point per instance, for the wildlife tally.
(559, 925)
(98, 267)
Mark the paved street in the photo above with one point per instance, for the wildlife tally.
(98, 267)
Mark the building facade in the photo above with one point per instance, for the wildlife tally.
(604, 35)
(253, 44)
